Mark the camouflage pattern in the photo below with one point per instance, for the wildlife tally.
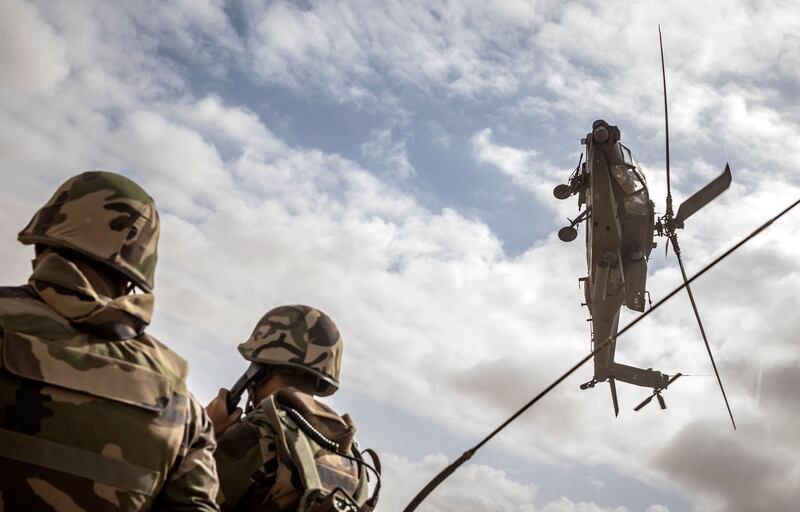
(94, 413)
(257, 472)
(104, 216)
(301, 337)
(122, 317)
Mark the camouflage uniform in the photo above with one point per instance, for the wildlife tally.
(261, 462)
(94, 413)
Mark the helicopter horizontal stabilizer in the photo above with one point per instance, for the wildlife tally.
(703, 196)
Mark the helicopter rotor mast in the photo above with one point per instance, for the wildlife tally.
(671, 223)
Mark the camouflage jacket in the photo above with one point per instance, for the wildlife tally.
(258, 472)
(94, 414)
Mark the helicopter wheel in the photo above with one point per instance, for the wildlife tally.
(562, 191)
(567, 234)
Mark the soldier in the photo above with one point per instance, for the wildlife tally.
(94, 412)
(290, 452)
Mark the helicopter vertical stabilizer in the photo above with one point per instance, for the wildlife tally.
(613, 386)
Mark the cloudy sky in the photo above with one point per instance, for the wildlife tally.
(392, 163)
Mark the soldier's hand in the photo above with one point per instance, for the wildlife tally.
(217, 411)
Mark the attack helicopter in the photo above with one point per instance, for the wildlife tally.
(621, 225)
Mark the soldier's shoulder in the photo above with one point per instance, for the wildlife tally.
(261, 418)
(170, 362)
(241, 437)
(43, 345)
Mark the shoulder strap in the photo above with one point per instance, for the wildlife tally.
(303, 456)
(293, 445)
(270, 409)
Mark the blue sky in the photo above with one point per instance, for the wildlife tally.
(392, 163)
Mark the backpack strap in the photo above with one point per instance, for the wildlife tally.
(294, 446)
(303, 456)
(270, 409)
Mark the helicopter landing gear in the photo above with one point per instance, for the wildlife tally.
(567, 234)
(590, 384)
(562, 191)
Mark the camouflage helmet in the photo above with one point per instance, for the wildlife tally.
(299, 337)
(105, 217)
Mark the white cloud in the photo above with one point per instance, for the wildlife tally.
(473, 488)
(518, 164)
(527, 169)
(350, 50)
(565, 505)
(386, 154)
(30, 50)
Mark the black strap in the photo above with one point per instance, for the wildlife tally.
(376, 462)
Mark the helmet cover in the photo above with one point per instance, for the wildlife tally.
(103, 216)
(299, 337)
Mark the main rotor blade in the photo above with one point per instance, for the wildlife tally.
(661, 402)
(673, 239)
(704, 196)
(666, 120)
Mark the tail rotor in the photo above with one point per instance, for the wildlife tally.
(657, 395)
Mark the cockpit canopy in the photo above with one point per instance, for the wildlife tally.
(631, 180)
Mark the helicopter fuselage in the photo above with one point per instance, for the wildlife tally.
(620, 219)
(619, 236)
